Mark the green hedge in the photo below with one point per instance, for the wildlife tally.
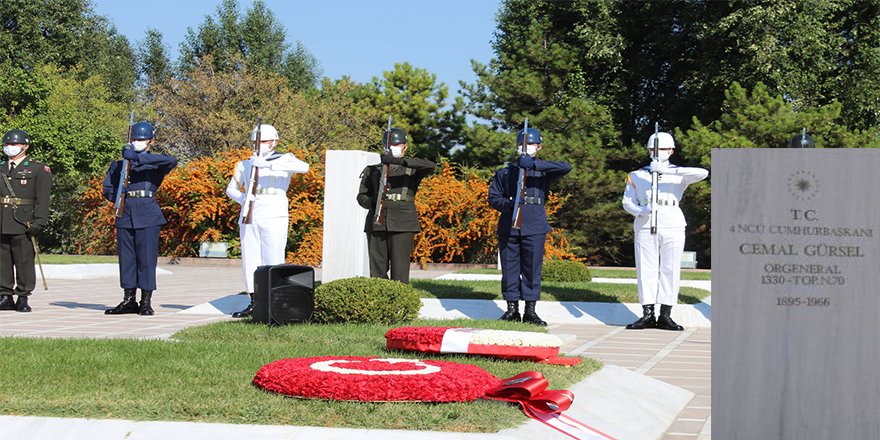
(565, 270)
(366, 300)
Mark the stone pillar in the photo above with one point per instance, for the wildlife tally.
(345, 244)
(795, 276)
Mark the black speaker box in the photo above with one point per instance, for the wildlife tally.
(284, 294)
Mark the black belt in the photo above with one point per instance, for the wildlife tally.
(139, 193)
(6, 200)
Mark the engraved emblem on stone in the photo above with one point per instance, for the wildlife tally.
(803, 184)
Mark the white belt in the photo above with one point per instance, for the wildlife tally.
(271, 191)
(672, 202)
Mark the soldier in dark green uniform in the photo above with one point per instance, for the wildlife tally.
(25, 204)
(392, 240)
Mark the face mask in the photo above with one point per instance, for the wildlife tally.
(140, 145)
(531, 149)
(397, 151)
(11, 150)
(664, 155)
(266, 148)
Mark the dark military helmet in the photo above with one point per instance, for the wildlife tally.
(142, 130)
(534, 136)
(798, 141)
(16, 136)
(398, 136)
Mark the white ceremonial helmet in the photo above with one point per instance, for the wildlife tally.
(267, 133)
(665, 142)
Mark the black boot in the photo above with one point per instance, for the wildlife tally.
(6, 302)
(512, 313)
(665, 321)
(128, 305)
(529, 316)
(248, 311)
(646, 321)
(22, 305)
(145, 308)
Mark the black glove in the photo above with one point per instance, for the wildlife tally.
(129, 153)
(32, 231)
(526, 162)
(390, 159)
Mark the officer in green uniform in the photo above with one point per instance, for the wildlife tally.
(24, 199)
(392, 240)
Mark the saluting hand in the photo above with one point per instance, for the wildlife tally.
(390, 159)
(526, 162)
(129, 153)
(259, 162)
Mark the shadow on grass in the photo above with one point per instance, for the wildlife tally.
(457, 290)
(563, 293)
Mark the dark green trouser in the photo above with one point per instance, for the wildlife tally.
(393, 247)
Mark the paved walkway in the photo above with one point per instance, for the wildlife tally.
(194, 295)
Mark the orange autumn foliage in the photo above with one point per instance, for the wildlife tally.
(457, 223)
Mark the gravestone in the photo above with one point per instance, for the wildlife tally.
(795, 294)
(345, 253)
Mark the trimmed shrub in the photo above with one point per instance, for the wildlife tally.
(565, 270)
(366, 300)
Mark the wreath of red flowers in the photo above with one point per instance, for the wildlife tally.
(375, 379)
(455, 340)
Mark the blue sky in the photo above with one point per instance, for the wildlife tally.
(358, 38)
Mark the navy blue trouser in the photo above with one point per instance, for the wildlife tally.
(138, 257)
(521, 261)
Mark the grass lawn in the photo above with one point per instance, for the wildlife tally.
(205, 376)
(550, 291)
(612, 273)
(78, 259)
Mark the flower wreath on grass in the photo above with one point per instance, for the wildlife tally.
(371, 379)
(505, 344)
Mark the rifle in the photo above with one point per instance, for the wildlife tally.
(655, 180)
(37, 254)
(379, 217)
(123, 173)
(804, 138)
(521, 182)
(247, 208)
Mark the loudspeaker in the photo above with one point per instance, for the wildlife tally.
(284, 294)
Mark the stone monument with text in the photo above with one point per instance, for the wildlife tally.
(795, 294)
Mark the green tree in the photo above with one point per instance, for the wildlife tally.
(418, 105)
(258, 36)
(213, 111)
(753, 120)
(153, 63)
(67, 33)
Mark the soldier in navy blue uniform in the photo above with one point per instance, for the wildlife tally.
(522, 250)
(25, 212)
(137, 230)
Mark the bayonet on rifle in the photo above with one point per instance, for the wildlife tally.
(655, 180)
(521, 181)
(379, 215)
(124, 171)
(247, 208)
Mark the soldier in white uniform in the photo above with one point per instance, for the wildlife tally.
(658, 257)
(263, 241)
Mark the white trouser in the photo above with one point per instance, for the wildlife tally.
(658, 264)
(262, 244)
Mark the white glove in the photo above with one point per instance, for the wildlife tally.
(660, 167)
(647, 210)
(250, 198)
(259, 162)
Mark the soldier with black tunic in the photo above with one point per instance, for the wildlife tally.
(137, 230)
(392, 241)
(25, 203)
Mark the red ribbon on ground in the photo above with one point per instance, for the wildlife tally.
(529, 389)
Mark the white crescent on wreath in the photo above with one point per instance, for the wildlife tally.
(373, 379)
